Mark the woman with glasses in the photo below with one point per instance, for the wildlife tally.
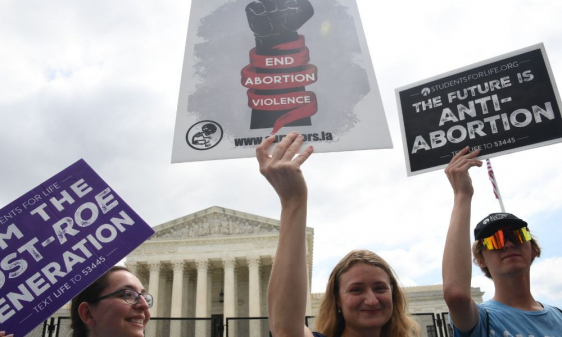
(116, 304)
(363, 297)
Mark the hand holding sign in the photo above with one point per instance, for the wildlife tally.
(276, 17)
(457, 172)
(281, 170)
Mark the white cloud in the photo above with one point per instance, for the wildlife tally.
(546, 280)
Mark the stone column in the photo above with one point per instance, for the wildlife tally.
(164, 302)
(201, 298)
(229, 265)
(177, 297)
(177, 288)
(186, 298)
(254, 294)
(210, 272)
(308, 294)
(153, 285)
(254, 283)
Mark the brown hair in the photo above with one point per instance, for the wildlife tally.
(332, 324)
(89, 295)
(478, 257)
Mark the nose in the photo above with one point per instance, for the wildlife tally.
(371, 298)
(508, 244)
(143, 304)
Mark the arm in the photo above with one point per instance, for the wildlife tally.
(287, 293)
(457, 262)
(3, 333)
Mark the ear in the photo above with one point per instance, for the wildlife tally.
(85, 313)
(534, 253)
(480, 261)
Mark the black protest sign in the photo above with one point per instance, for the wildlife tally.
(502, 105)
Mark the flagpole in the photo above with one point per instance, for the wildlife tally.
(492, 177)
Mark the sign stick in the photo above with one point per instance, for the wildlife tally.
(495, 184)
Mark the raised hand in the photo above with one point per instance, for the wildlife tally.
(277, 17)
(282, 169)
(457, 171)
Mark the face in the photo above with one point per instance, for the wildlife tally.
(510, 260)
(365, 298)
(115, 317)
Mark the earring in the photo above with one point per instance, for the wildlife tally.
(339, 310)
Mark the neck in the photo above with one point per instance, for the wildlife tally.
(515, 291)
(350, 332)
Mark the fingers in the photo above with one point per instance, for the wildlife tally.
(255, 8)
(284, 151)
(464, 152)
(301, 158)
(293, 148)
(457, 171)
(270, 5)
(463, 157)
(262, 151)
(283, 146)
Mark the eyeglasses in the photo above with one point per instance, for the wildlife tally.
(497, 241)
(130, 296)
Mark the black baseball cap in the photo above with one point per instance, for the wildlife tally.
(496, 221)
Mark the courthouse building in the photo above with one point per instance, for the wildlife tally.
(213, 263)
(217, 263)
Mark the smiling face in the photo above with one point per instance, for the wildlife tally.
(365, 299)
(113, 316)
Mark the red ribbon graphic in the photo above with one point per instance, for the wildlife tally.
(303, 103)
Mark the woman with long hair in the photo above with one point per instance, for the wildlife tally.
(116, 304)
(363, 297)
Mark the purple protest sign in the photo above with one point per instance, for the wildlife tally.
(56, 240)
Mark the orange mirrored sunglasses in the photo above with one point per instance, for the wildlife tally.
(497, 241)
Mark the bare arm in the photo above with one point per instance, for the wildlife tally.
(457, 262)
(287, 292)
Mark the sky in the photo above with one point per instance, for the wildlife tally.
(100, 81)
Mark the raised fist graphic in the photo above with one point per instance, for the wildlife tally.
(277, 17)
(279, 66)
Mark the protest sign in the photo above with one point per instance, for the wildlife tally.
(256, 68)
(502, 105)
(56, 240)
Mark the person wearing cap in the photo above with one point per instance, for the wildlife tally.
(504, 249)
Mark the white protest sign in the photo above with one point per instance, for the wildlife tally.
(256, 68)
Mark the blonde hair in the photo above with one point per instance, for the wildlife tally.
(332, 324)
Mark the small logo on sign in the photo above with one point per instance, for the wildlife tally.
(426, 91)
(204, 135)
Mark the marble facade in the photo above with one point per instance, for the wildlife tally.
(215, 262)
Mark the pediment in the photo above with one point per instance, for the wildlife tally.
(215, 222)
